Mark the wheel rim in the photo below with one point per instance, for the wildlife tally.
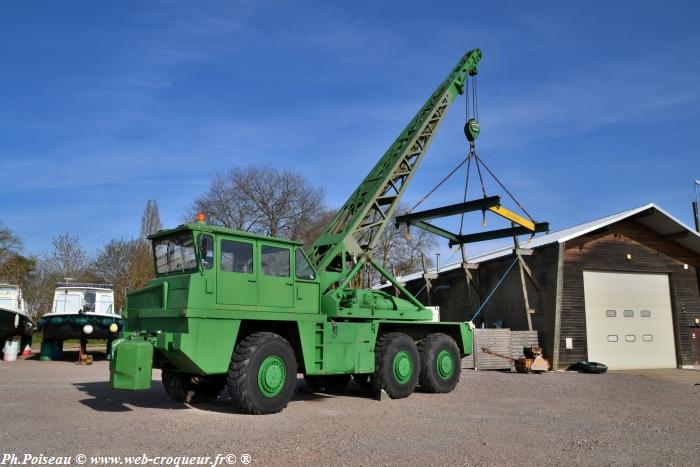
(403, 367)
(445, 364)
(272, 376)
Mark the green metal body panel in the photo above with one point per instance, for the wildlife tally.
(335, 348)
(132, 368)
(190, 320)
(460, 332)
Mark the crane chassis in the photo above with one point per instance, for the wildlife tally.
(248, 312)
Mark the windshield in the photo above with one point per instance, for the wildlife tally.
(86, 301)
(175, 254)
(105, 303)
(8, 297)
(67, 302)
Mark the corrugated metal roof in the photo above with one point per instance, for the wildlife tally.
(655, 218)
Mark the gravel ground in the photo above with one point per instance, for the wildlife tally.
(492, 418)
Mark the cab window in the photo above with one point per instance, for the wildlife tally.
(175, 253)
(236, 257)
(206, 251)
(303, 268)
(275, 261)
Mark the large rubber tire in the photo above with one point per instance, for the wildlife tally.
(364, 380)
(440, 363)
(397, 365)
(330, 384)
(262, 374)
(189, 389)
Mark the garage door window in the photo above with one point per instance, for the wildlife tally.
(645, 314)
(610, 313)
(628, 313)
(612, 338)
(630, 338)
(647, 338)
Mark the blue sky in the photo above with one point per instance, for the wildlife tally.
(586, 108)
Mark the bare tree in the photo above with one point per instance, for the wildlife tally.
(399, 251)
(68, 259)
(112, 261)
(41, 284)
(141, 267)
(10, 244)
(263, 199)
(150, 220)
(126, 264)
(318, 226)
(15, 268)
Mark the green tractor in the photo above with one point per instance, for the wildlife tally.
(231, 308)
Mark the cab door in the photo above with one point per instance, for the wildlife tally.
(276, 281)
(307, 286)
(237, 276)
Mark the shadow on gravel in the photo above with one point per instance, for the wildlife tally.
(71, 355)
(105, 399)
(302, 393)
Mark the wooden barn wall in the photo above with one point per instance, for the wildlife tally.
(449, 292)
(543, 264)
(606, 250)
(508, 303)
(506, 307)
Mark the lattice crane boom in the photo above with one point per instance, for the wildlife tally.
(358, 225)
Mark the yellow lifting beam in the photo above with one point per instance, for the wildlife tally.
(513, 217)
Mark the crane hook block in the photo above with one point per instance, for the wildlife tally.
(472, 129)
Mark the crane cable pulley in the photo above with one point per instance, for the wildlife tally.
(471, 131)
(471, 125)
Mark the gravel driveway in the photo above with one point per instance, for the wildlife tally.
(492, 418)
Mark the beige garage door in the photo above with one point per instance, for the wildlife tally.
(628, 320)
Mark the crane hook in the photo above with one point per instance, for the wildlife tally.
(472, 129)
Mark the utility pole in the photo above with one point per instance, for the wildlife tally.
(695, 207)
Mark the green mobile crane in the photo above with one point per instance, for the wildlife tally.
(231, 308)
